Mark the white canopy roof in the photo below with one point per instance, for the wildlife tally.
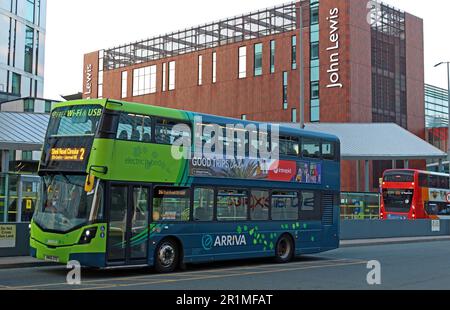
(377, 141)
(22, 131)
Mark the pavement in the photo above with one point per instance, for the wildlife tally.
(407, 266)
(26, 261)
(21, 262)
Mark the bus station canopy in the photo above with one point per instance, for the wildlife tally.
(22, 131)
(377, 141)
(372, 141)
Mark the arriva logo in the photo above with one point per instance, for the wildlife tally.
(221, 241)
(207, 242)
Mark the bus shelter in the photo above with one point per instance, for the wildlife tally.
(19, 192)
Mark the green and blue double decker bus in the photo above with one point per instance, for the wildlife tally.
(114, 195)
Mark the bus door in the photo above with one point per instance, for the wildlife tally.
(128, 222)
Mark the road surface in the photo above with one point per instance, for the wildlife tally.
(416, 266)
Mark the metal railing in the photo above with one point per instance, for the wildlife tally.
(360, 206)
(249, 26)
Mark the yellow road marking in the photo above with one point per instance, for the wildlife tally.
(191, 273)
(221, 276)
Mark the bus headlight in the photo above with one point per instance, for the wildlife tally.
(87, 235)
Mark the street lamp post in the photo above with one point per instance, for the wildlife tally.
(302, 74)
(448, 102)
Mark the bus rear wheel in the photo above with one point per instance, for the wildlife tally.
(284, 250)
(166, 256)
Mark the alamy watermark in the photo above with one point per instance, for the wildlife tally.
(375, 14)
(74, 275)
(374, 275)
(226, 142)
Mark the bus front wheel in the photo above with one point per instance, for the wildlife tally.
(166, 256)
(284, 250)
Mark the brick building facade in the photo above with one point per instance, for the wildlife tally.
(361, 65)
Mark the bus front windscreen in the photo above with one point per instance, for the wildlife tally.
(76, 120)
(64, 204)
(398, 201)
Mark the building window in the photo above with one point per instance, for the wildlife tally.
(315, 113)
(101, 54)
(16, 83)
(314, 50)
(214, 68)
(294, 116)
(294, 53)
(124, 84)
(258, 50)
(242, 62)
(144, 81)
(28, 105)
(48, 106)
(172, 65)
(100, 91)
(285, 90)
(27, 155)
(272, 56)
(29, 10)
(314, 62)
(244, 117)
(200, 70)
(36, 57)
(314, 15)
(38, 9)
(314, 90)
(164, 77)
(29, 40)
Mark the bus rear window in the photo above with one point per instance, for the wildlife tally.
(328, 150)
(399, 177)
(77, 120)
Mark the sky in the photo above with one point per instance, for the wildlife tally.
(82, 26)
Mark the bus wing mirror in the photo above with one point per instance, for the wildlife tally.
(89, 184)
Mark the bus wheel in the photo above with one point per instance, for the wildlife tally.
(166, 256)
(284, 251)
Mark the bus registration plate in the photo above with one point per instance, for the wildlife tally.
(51, 258)
(396, 217)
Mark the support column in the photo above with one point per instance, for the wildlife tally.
(366, 176)
(5, 161)
(19, 199)
(394, 164)
(441, 166)
(358, 179)
(4, 157)
(406, 164)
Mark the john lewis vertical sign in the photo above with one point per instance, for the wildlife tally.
(334, 78)
(88, 81)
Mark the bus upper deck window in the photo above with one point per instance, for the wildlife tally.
(328, 150)
(311, 148)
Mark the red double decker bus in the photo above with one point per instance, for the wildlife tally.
(413, 194)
